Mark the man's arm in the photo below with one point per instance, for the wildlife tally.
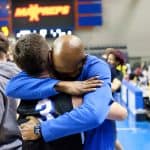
(115, 85)
(79, 88)
(26, 87)
(117, 112)
(87, 116)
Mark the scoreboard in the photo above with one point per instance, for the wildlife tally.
(52, 17)
(35, 14)
(89, 13)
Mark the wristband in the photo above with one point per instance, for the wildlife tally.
(37, 130)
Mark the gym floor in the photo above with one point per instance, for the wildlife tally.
(134, 135)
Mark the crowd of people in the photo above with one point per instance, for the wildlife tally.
(69, 100)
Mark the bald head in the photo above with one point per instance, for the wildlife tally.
(67, 47)
(68, 52)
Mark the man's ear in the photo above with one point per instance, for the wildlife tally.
(50, 62)
(50, 57)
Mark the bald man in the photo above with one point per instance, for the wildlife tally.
(69, 62)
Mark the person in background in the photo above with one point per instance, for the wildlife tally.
(105, 53)
(116, 59)
(95, 103)
(10, 137)
(133, 79)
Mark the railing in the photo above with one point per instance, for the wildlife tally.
(132, 96)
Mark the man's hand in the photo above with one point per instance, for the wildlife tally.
(27, 129)
(79, 87)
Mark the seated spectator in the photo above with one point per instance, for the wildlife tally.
(133, 79)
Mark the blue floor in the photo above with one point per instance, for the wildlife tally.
(134, 135)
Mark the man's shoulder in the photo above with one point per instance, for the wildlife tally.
(91, 59)
(8, 69)
(96, 66)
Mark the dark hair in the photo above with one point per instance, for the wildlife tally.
(132, 76)
(4, 43)
(31, 53)
(118, 55)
